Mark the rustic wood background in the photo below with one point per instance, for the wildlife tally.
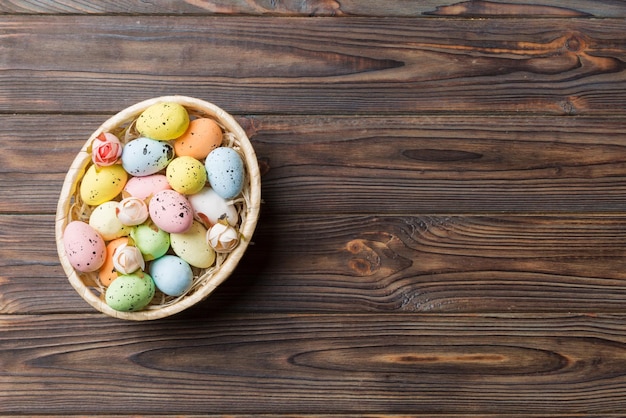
(444, 219)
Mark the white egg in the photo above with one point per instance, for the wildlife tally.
(209, 207)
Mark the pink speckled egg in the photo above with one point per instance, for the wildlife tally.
(84, 247)
(171, 211)
(144, 187)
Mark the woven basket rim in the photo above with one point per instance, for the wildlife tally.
(248, 225)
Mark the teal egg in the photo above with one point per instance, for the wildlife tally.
(130, 292)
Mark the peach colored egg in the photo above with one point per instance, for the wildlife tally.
(107, 272)
(171, 211)
(84, 247)
(202, 137)
(144, 187)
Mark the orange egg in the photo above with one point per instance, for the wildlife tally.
(202, 137)
(107, 272)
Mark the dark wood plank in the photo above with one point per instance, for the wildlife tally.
(315, 66)
(314, 364)
(372, 263)
(396, 164)
(345, 8)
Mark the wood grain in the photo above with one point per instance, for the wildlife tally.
(344, 8)
(443, 223)
(373, 263)
(357, 164)
(315, 66)
(293, 364)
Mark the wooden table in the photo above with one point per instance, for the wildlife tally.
(444, 220)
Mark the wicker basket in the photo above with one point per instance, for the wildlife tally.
(71, 208)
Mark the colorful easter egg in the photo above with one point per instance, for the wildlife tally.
(101, 184)
(144, 156)
(130, 292)
(171, 211)
(163, 121)
(225, 172)
(171, 274)
(83, 246)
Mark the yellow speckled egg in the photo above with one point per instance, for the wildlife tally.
(202, 137)
(193, 247)
(186, 175)
(102, 184)
(163, 121)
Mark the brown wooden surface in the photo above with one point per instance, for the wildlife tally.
(444, 221)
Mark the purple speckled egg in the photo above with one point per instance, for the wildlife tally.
(171, 211)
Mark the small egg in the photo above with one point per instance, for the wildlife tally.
(225, 171)
(83, 246)
(171, 274)
(163, 121)
(171, 211)
(146, 186)
(192, 246)
(186, 175)
(151, 241)
(107, 272)
(202, 137)
(102, 184)
(144, 156)
(130, 292)
(104, 220)
(210, 207)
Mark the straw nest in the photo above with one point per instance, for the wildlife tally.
(70, 208)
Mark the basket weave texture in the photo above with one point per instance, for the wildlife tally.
(71, 208)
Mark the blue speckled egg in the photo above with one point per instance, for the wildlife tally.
(225, 172)
(145, 156)
(171, 274)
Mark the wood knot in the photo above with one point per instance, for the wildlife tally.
(264, 165)
(360, 266)
(574, 43)
(366, 262)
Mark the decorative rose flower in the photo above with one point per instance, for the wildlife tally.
(128, 259)
(132, 211)
(106, 149)
(222, 237)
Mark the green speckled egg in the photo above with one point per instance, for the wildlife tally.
(102, 184)
(130, 292)
(163, 121)
(186, 175)
(151, 241)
